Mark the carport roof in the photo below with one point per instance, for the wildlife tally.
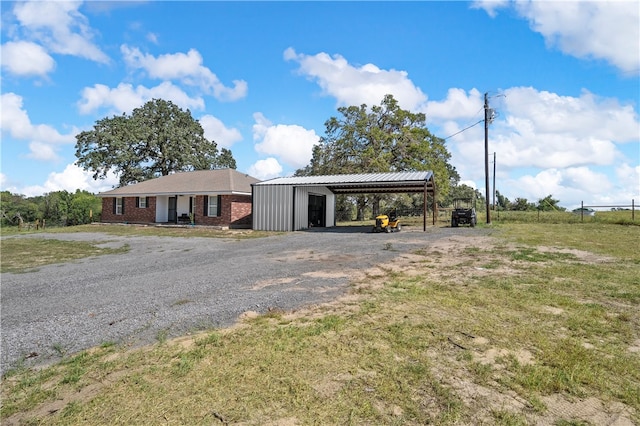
(364, 182)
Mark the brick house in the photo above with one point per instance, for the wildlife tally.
(204, 197)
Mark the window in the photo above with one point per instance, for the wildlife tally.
(141, 202)
(119, 209)
(213, 206)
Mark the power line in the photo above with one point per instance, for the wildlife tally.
(466, 128)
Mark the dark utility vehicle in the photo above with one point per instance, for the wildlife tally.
(464, 212)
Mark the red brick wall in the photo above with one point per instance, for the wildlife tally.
(235, 211)
(132, 214)
(241, 211)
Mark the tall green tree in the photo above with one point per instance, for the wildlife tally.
(548, 203)
(155, 140)
(503, 202)
(384, 138)
(522, 204)
(83, 207)
(462, 191)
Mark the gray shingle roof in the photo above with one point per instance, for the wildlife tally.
(222, 181)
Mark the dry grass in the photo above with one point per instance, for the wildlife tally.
(531, 325)
(26, 254)
(148, 230)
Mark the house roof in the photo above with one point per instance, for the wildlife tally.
(222, 181)
(363, 183)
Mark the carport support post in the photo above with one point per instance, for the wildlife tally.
(424, 208)
(435, 205)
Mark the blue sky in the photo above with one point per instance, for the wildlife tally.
(263, 77)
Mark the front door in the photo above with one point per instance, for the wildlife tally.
(173, 209)
(317, 210)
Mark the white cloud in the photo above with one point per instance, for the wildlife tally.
(585, 29)
(215, 130)
(152, 37)
(42, 152)
(571, 186)
(490, 6)
(42, 138)
(584, 179)
(70, 179)
(587, 116)
(292, 144)
(4, 181)
(186, 68)
(261, 126)
(457, 105)
(540, 129)
(268, 168)
(25, 58)
(352, 85)
(125, 97)
(60, 27)
(629, 178)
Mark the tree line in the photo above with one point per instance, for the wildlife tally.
(160, 138)
(547, 203)
(58, 208)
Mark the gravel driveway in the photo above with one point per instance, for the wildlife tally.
(168, 286)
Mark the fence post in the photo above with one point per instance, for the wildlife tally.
(581, 211)
(633, 210)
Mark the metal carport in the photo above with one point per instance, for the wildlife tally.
(282, 204)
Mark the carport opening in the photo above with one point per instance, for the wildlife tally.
(426, 189)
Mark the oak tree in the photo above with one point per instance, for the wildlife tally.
(384, 138)
(157, 139)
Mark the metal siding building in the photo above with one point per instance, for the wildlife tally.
(302, 197)
(272, 208)
(296, 203)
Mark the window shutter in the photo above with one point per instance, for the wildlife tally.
(146, 201)
(123, 205)
(206, 206)
(115, 203)
(219, 205)
(137, 201)
(190, 204)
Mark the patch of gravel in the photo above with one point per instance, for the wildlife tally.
(169, 286)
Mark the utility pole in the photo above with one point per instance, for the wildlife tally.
(487, 117)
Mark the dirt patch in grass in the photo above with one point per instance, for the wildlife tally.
(459, 261)
(591, 410)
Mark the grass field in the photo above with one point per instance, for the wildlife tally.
(538, 323)
(142, 230)
(22, 254)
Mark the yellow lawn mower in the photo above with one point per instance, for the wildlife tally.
(387, 223)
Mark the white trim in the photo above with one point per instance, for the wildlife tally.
(215, 205)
